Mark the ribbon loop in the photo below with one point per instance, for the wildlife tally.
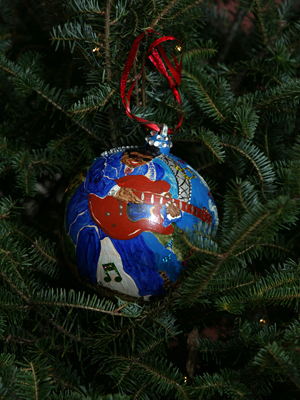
(159, 59)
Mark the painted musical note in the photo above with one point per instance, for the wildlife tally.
(111, 267)
(168, 246)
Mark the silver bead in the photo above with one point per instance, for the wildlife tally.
(164, 130)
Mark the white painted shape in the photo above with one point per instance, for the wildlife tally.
(151, 173)
(138, 230)
(213, 208)
(109, 254)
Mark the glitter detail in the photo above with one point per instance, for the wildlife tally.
(160, 140)
(117, 149)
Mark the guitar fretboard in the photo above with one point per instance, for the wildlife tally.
(157, 199)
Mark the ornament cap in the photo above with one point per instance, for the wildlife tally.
(160, 140)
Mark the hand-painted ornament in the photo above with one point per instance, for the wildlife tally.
(125, 219)
(124, 222)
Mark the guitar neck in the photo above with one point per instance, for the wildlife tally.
(201, 213)
(157, 199)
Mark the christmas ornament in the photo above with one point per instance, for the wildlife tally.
(125, 218)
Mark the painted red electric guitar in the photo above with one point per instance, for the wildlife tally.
(112, 217)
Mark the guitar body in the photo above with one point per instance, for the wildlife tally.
(114, 216)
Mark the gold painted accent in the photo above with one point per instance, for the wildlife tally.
(179, 168)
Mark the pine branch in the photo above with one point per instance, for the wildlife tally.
(142, 388)
(83, 7)
(208, 103)
(73, 33)
(185, 10)
(57, 326)
(15, 288)
(108, 70)
(198, 52)
(221, 383)
(258, 12)
(162, 14)
(136, 24)
(259, 161)
(32, 83)
(249, 231)
(66, 114)
(289, 90)
(83, 301)
(35, 382)
(143, 352)
(200, 249)
(165, 377)
(282, 359)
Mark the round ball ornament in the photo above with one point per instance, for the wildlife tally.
(125, 216)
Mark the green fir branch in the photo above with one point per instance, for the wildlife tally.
(165, 11)
(203, 95)
(259, 161)
(257, 9)
(26, 83)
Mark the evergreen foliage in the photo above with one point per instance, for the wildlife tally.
(60, 107)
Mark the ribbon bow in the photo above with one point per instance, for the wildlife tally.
(156, 55)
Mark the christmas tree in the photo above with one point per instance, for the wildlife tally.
(230, 327)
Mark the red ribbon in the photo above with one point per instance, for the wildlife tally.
(157, 60)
